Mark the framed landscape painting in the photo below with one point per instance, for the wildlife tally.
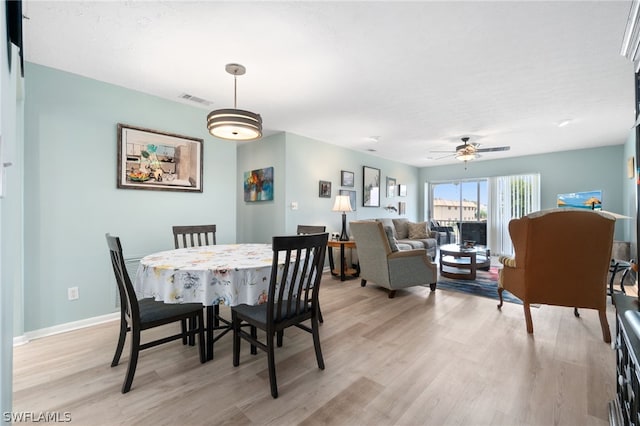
(150, 159)
(370, 187)
(346, 178)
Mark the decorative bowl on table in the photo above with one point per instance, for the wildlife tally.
(138, 176)
(469, 244)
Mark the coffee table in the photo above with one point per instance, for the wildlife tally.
(463, 262)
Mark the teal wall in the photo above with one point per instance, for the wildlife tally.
(300, 164)
(71, 199)
(260, 220)
(560, 172)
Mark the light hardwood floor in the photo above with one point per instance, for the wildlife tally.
(422, 358)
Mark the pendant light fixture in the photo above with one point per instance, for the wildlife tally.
(235, 124)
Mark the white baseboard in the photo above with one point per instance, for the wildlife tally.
(63, 328)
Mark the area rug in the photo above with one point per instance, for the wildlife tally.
(485, 285)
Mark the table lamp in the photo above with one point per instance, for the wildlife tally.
(343, 205)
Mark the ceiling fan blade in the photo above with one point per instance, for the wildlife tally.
(444, 156)
(494, 149)
(450, 152)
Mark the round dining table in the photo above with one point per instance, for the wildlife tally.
(225, 274)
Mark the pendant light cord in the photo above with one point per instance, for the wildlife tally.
(235, 91)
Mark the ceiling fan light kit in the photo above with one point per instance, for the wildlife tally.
(469, 151)
(232, 123)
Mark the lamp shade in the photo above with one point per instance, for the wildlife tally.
(235, 124)
(342, 204)
(232, 123)
(464, 156)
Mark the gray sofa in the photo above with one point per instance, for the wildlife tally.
(400, 229)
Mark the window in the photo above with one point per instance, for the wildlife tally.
(460, 201)
(493, 201)
(516, 196)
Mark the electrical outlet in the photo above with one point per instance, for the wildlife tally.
(72, 293)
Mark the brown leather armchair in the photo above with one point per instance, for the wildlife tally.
(561, 258)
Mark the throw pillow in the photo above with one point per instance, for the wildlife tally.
(400, 226)
(507, 261)
(417, 231)
(393, 243)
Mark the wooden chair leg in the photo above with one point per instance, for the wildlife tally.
(316, 342)
(133, 360)
(192, 336)
(527, 317)
(279, 336)
(500, 290)
(209, 330)
(254, 334)
(604, 324)
(271, 359)
(183, 328)
(236, 338)
(121, 339)
(201, 342)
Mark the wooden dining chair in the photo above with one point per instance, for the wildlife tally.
(194, 235)
(304, 230)
(296, 272)
(310, 229)
(138, 315)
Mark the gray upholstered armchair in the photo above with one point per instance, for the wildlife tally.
(386, 267)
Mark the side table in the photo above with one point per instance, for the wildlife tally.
(344, 269)
(616, 266)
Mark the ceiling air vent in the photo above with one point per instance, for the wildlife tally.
(195, 99)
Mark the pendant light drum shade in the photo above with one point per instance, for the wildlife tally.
(232, 123)
(235, 124)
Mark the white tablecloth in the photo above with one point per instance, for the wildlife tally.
(229, 274)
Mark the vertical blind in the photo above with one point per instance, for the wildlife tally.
(515, 196)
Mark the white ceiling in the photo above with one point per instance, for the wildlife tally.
(416, 75)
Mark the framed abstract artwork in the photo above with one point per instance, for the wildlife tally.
(402, 190)
(258, 185)
(370, 187)
(150, 159)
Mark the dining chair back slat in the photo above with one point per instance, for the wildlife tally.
(194, 236)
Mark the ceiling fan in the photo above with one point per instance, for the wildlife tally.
(469, 151)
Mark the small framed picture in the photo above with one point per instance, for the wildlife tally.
(402, 208)
(402, 190)
(391, 187)
(347, 178)
(324, 189)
